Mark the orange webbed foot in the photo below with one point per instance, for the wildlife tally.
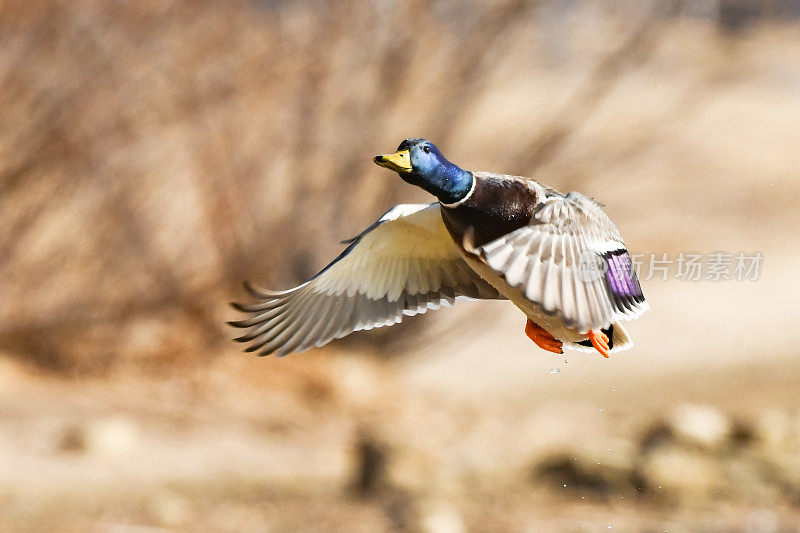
(542, 338)
(599, 341)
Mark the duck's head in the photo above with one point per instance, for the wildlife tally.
(420, 163)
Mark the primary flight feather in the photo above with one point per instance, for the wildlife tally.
(558, 257)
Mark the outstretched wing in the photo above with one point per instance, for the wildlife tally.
(572, 261)
(403, 264)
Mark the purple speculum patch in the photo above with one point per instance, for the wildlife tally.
(621, 279)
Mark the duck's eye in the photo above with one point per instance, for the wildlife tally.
(426, 149)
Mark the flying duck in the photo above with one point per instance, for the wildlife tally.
(557, 257)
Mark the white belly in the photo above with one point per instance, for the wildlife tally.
(551, 323)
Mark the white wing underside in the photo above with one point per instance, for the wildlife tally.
(404, 264)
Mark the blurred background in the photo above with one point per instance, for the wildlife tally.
(154, 154)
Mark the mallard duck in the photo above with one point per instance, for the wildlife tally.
(556, 256)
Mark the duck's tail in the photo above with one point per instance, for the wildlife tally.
(618, 340)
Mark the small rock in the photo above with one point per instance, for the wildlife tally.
(441, 517)
(691, 426)
(677, 473)
(114, 436)
(600, 471)
(701, 426)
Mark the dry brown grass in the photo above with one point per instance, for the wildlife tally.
(154, 155)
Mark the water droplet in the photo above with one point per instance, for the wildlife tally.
(601, 410)
(565, 485)
(613, 390)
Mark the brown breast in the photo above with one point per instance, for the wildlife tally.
(496, 207)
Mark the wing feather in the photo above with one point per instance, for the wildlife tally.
(403, 264)
(548, 261)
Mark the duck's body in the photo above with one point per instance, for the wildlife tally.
(490, 236)
(528, 241)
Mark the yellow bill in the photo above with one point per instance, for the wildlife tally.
(398, 161)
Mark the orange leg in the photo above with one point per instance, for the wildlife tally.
(543, 340)
(599, 341)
